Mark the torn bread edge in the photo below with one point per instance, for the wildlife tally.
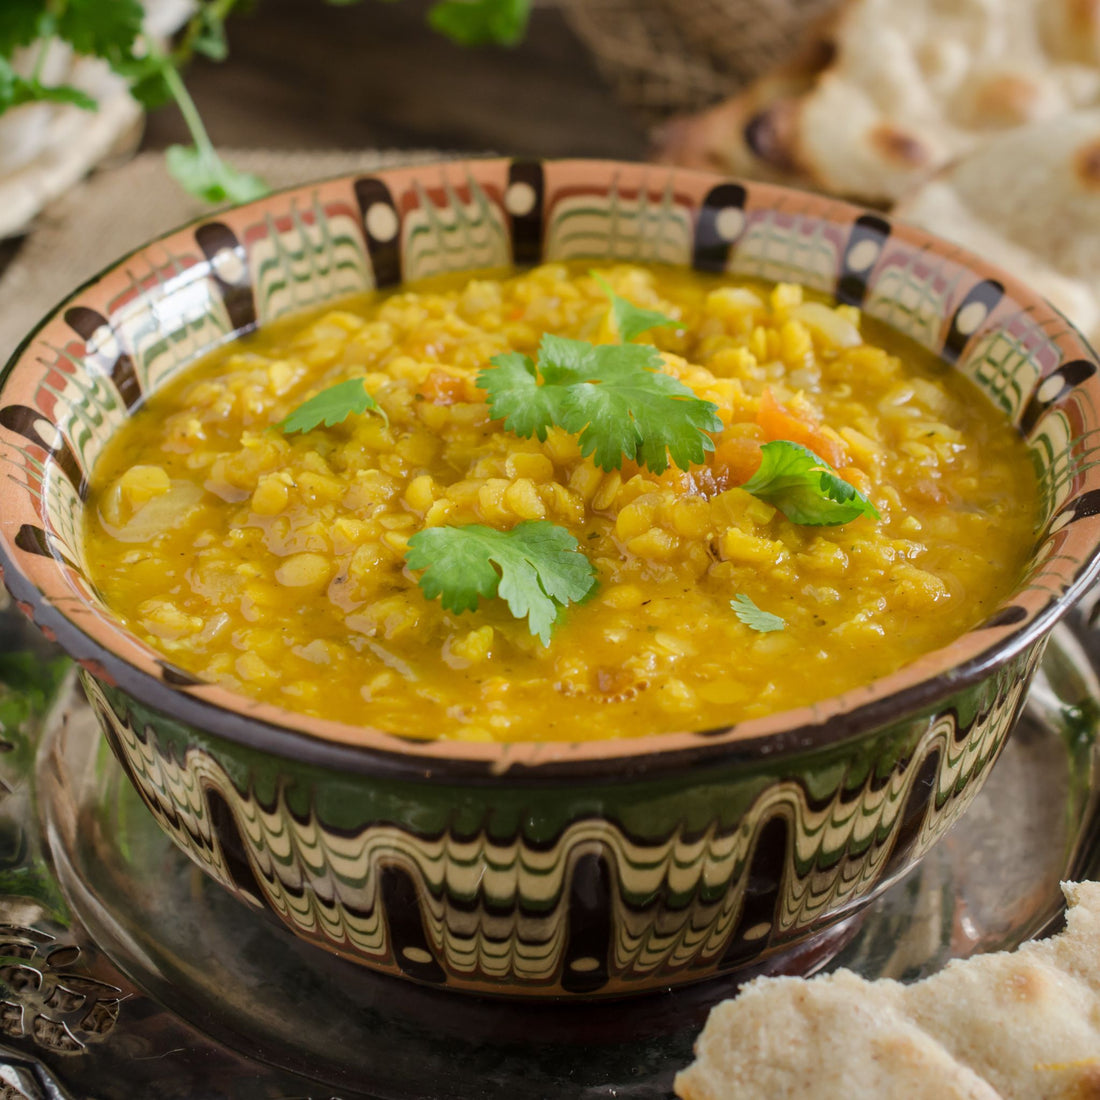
(1015, 1024)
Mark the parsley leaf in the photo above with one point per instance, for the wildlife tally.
(20, 23)
(515, 396)
(15, 90)
(804, 488)
(146, 74)
(331, 407)
(478, 22)
(751, 615)
(614, 395)
(209, 37)
(100, 29)
(631, 320)
(204, 174)
(536, 568)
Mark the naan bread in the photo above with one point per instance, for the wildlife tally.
(785, 1038)
(889, 91)
(1029, 201)
(1022, 1025)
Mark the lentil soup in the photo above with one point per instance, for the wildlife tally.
(274, 563)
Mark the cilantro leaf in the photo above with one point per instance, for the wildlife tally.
(203, 173)
(209, 37)
(804, 488)
(100, 29)
(751, 615)
(21, 22)
(331, 407)
(516, 397)
(16, 90)
(148, 78)
(33, 92)
(615, 396)
(9, 83)
(478, 22)
(536, 568)
(631, 320)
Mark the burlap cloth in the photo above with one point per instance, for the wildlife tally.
(118, 209)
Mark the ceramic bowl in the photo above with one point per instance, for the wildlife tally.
(544, 869)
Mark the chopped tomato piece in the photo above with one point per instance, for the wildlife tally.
(441, 388)
(926, 490)
(731, 463)
(735, 461)
(699, 481)
(779, 422)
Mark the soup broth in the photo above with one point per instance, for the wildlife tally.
(274, 562)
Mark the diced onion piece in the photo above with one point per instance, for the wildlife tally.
(827, 323)
(156, 516)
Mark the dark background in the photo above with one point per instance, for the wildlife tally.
(308, 74)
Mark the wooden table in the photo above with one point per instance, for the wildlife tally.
(309, 74)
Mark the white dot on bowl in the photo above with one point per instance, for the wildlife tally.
(863, 255)
(520, 199)
(416, 954)
(584, 965)
(970, 317)
(757, 931)
(48, 433)
(103, 343)
(381, 222)
(729, 223)
(1051, 387)
(229, 266)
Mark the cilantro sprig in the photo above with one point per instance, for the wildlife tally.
(805, 488)
(113, 30)
(615, 396)
(762, 621)
(480, 22)
(631, 320)
(536, 568)
(331, 407)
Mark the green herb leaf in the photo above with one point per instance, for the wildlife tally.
(209, 38)
(20, 24)
(536, 568)
(331, 407)
(631, 320)
(33, 92)
(615, 396)
(751, 615)
(478, 22)
(515, 396)
(8, 85)
(16, 90)
(146, 74)
(203, 173)
(804, 488)
(100, 28)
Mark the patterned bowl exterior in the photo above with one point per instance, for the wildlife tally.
(543, 868)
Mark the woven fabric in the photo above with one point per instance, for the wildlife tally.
(664, 57)
(119, 209)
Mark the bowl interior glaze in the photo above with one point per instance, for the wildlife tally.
(134, 327)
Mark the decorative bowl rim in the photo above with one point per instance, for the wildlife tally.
(914, 689)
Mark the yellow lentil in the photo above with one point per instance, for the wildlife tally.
(274, 564)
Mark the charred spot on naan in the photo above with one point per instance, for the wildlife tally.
(1086, 163)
